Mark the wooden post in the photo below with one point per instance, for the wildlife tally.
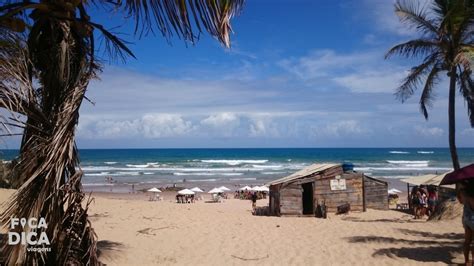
(408, 196)
(363, 193)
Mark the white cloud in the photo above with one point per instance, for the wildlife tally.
(468, 132)
(221, 119)
(340, 128)
(361, 72)
(148, 126)
(322, 63)
(221, 124)
(429, 131)
(371, 81)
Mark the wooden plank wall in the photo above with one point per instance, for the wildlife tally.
(291, 200)
(376, 195)
(352, 195)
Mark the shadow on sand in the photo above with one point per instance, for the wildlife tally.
(109, 249)
(433, 247)
(359, 220)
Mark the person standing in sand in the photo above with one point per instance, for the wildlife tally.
(466, 197)
(254, 201)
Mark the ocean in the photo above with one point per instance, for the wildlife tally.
(250, 166)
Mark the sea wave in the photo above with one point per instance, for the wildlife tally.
(407, 162)
(97, 184)
(110, 163)
(207, 174)
(147, 165)
(203, 180)
(389, 169)
(425, 152)
(276, 166)
(243, 179)
(273, 173)
(170, 169)
(399, 152)
(235, 162)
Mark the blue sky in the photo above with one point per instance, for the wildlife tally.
(299, 74)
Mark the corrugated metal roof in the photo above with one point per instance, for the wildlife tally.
(314, 168)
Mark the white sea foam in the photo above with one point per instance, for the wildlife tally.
(375, 169)
(99, 174)
(203, 180)
(96, 184)
(243, 179)
(410, 163)
(425, 152)
(207, 174)
(273, 173)
(110, 163)
(399, 152)
(147, 165)
(235, 162)
(276, 166)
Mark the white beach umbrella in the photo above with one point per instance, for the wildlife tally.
(186, 192)
(154, 190)
(224, 188)
(196, 189)
(394, 191)
(264, 189)
(245, 188)
(256, 188)
(215, 191)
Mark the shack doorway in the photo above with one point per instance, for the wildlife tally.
(308, 207)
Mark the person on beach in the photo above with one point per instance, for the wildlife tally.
(415, 201)
(466, 197)
(254, 201)
(432, 199)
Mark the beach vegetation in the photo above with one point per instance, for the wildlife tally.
(48, 54)
(445, 40)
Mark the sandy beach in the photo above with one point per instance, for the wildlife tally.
(135, 231)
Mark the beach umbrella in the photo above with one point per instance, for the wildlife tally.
(154, 190)
(186, 192)
(215, 191)
(224, 188)
(245, 188)
(256, 188)
(463, 174)
(394, 191)
(264, 189)
(196, 189)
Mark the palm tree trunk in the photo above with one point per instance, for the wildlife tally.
(49, 162)
(452, 119)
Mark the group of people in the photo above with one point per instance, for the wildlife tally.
(424, 200)
(185, 198)
(465, 195)
(247, 194)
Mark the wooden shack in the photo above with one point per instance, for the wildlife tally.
(299, 193)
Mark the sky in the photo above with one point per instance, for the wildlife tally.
(298, 74)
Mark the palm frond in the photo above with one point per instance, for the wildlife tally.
(415, 77)
(413, 48)
(427, 96)
(414, 15)
(183, 18)
(466, 85)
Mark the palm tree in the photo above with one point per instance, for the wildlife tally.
(446, 42)
(47, 57)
